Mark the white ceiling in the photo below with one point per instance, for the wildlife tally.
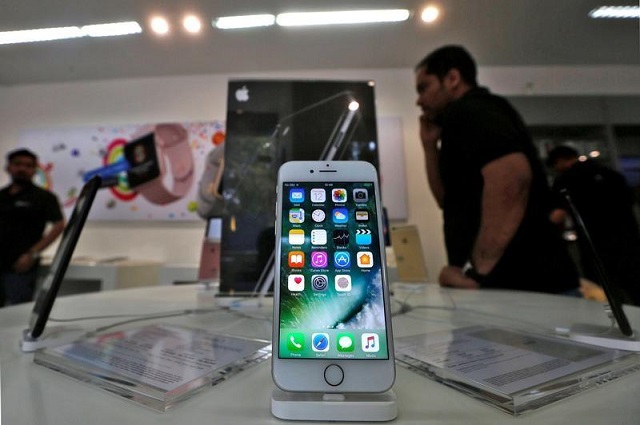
(497, 32)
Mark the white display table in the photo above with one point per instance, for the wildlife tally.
(32, 394)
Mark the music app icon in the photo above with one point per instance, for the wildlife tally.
(370, 343)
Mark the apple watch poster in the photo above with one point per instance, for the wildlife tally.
(151, 171)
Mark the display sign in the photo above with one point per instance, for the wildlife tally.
(157, 365)
(153, 169)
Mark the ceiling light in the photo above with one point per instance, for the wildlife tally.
(616, 12)
(49, 34)
(430, 14)
(342, 17)
(42, 34)
(110, 30)
(159, 25)
(192, 24)
(247, 21)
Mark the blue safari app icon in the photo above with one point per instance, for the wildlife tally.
(320, 342)
(296, 195)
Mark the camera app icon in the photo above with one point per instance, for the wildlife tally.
(360, 195)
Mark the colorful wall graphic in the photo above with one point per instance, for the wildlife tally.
(68, 155)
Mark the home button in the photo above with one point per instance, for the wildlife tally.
(334, 375)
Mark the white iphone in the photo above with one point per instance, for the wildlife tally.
(332, 321)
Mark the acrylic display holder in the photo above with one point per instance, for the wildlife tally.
(156, 366)
(358, 407)
(514, 371)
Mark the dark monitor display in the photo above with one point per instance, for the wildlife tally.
(47, 293)
(612, 293)
(269, 123)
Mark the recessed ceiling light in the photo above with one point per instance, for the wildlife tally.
(49, 34)
(342, 17)
(246, 21)
(159, 25)
(192, 24)
(430, 14)
(616, 12)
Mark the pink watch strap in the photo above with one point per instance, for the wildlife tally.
(172, 145)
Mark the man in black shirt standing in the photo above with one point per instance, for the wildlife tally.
(25, 210)
(484, 172)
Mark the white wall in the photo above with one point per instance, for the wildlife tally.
(204, 98)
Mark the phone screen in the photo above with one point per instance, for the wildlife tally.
(331, 288)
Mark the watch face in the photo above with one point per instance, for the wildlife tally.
(318, 215)
(143, 160)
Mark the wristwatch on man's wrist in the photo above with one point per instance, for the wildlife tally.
(470, 271)
(34, 255)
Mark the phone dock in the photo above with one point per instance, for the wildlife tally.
(355, 407)
(53, 336)
(602, 336)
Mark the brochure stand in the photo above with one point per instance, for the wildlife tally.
(360, 407)
(156, 366)
(515, 371)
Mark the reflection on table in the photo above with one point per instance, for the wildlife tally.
(32, 394)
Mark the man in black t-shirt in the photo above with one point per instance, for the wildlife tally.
(605, 202)
(484, 172)
(25, 210)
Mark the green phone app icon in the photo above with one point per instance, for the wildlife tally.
(346, 343)
(295, 342)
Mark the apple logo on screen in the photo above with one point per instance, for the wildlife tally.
(242, 94)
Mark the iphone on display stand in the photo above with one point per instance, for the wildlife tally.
(332, 338)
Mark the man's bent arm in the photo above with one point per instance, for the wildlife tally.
(504, 201)
(26, 261)
(47, 239)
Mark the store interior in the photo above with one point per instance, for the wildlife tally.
(560, 67)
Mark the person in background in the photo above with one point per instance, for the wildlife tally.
(484, 172)
(605, 203)
(25, 210)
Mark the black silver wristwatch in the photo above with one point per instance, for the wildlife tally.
(470, 271)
